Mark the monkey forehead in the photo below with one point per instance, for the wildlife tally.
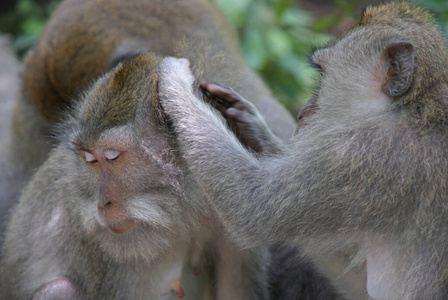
(321, 56)
(342, 55)
(121, 94)
(118, 138)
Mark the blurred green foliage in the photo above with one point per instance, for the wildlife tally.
(277, 36)
(26, 21)
(440, 9)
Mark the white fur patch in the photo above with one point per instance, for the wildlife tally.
(380, 273)
(56, 221)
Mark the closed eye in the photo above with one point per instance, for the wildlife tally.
(318, 59)
(89, 157)
(111, 154)
(316, 65)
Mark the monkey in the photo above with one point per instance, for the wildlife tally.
(133, 224)
(289, 279)
(73, 51)
(69, 56)
(365, 176)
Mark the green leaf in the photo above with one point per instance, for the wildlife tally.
(33, 26)
(234, 10)
(326, 23)
(279, 42)
(24, 6)
(300, 69)
(280, 7)
(254, 50)
(295, 17)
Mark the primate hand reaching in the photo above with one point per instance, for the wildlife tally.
(243, 118)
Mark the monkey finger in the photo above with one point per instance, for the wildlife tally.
(224, 93)
(239, 116)
(218, 106)
(227, 97)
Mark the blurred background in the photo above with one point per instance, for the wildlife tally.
(276, 35)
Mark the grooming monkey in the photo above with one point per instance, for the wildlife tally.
(108, 215)
(367, 174)
(287, 274)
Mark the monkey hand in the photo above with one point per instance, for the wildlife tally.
(243, 118)
(175, 76)
(176, 95)
(189, 115)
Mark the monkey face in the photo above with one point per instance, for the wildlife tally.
(132, 190)
(131, 194)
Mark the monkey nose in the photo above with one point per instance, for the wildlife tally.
(104, 203)
(104, 209)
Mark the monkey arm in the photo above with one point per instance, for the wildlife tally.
(243, 119)
(178, 101)
(302, 193)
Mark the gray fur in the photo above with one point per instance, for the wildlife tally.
(366, 178)
(82, 41)
(55, 231)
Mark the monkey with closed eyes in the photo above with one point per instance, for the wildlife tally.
(83, 40)
(104, 216)
(113, 214)
(367, 174)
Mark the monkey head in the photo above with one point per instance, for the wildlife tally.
(382, 66)
(132, 184)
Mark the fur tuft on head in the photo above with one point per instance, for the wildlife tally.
(396, 10)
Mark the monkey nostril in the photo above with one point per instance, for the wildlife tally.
(104, 204)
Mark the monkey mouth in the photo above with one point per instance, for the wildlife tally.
(123, 226)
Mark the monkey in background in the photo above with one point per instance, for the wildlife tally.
(69, 242)
(367, 174)
(289, 278)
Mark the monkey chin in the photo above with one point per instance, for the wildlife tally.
(122, 227)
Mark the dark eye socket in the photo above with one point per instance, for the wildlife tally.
(317, 66)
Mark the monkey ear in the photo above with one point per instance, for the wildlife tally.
(400, 59)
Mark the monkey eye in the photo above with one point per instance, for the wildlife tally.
(317, 66)
(111, 154)
(89, 157)
(315, 62)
